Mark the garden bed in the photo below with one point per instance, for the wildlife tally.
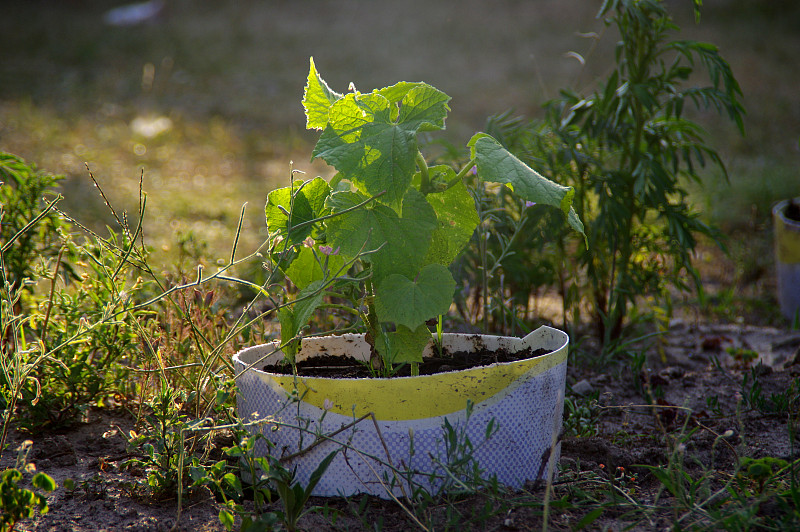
(695, 402)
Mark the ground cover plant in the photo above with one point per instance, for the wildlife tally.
(118, 372)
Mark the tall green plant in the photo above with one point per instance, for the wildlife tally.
(628, 149)
(388, 224)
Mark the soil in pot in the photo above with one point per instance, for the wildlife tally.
(792, 211)
(339, 367)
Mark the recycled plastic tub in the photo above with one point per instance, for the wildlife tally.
(523, 400)
(787, 260)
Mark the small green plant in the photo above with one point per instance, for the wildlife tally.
(266, 476)
(19, 503)
(383, 232)
(742, 355)
(224, 478)
(761, 470)
(294, 496)
(713, 403)
(166, 441)
(782, 403)
(581, 416)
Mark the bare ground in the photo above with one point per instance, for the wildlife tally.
(683, 378)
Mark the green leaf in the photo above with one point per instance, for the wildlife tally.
(589, 518)
(408, 344)
(226, 518)
(305, 268)
(498, 165)
(316, 475)
(403, 241)
(411, 303)
(395, 94)
(456, 222)
(288, 331)
(317, 99)
(44, 482)
(308, 204)
(373, 144)
(308, 299)
(292, 320)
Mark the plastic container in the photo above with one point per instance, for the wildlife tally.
(405, 445)
(787, 260)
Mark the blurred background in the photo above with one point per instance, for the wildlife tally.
(202, 99)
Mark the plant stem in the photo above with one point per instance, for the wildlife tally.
(425, 180)
(463, 173)
(52, 294)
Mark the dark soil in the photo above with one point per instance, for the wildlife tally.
(792, 211)
(338, 367)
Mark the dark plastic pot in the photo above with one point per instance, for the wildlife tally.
(787, 260)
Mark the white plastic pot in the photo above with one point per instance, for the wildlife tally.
(404, 430)
(787, 260)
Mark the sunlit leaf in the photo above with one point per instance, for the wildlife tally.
(317, 99)
(456, 222)
(307, 204)
(411, 303)
(402, 242)
(498, 165)
(373, 144)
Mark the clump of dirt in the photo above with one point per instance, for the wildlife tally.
(342, 367)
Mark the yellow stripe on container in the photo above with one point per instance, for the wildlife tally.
(404, 398)
(787, 242)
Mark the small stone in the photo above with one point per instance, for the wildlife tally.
(677, 323)
(582, 387)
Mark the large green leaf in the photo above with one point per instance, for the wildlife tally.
(408, 345)
(305, 268)
(400, 300)
(317, 99)
(457, 219)
(308, 204)
(498, 165)
(293, 318)
(374, 145)
(395, 94)
(403, 241)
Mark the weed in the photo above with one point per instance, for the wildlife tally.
(293, 495)
(162, 442)
(782, 403)
(31, 229)
(627, 148)
(713, 404)
(267, 477)
(19, 503)
(742, 355)
(581, 416)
